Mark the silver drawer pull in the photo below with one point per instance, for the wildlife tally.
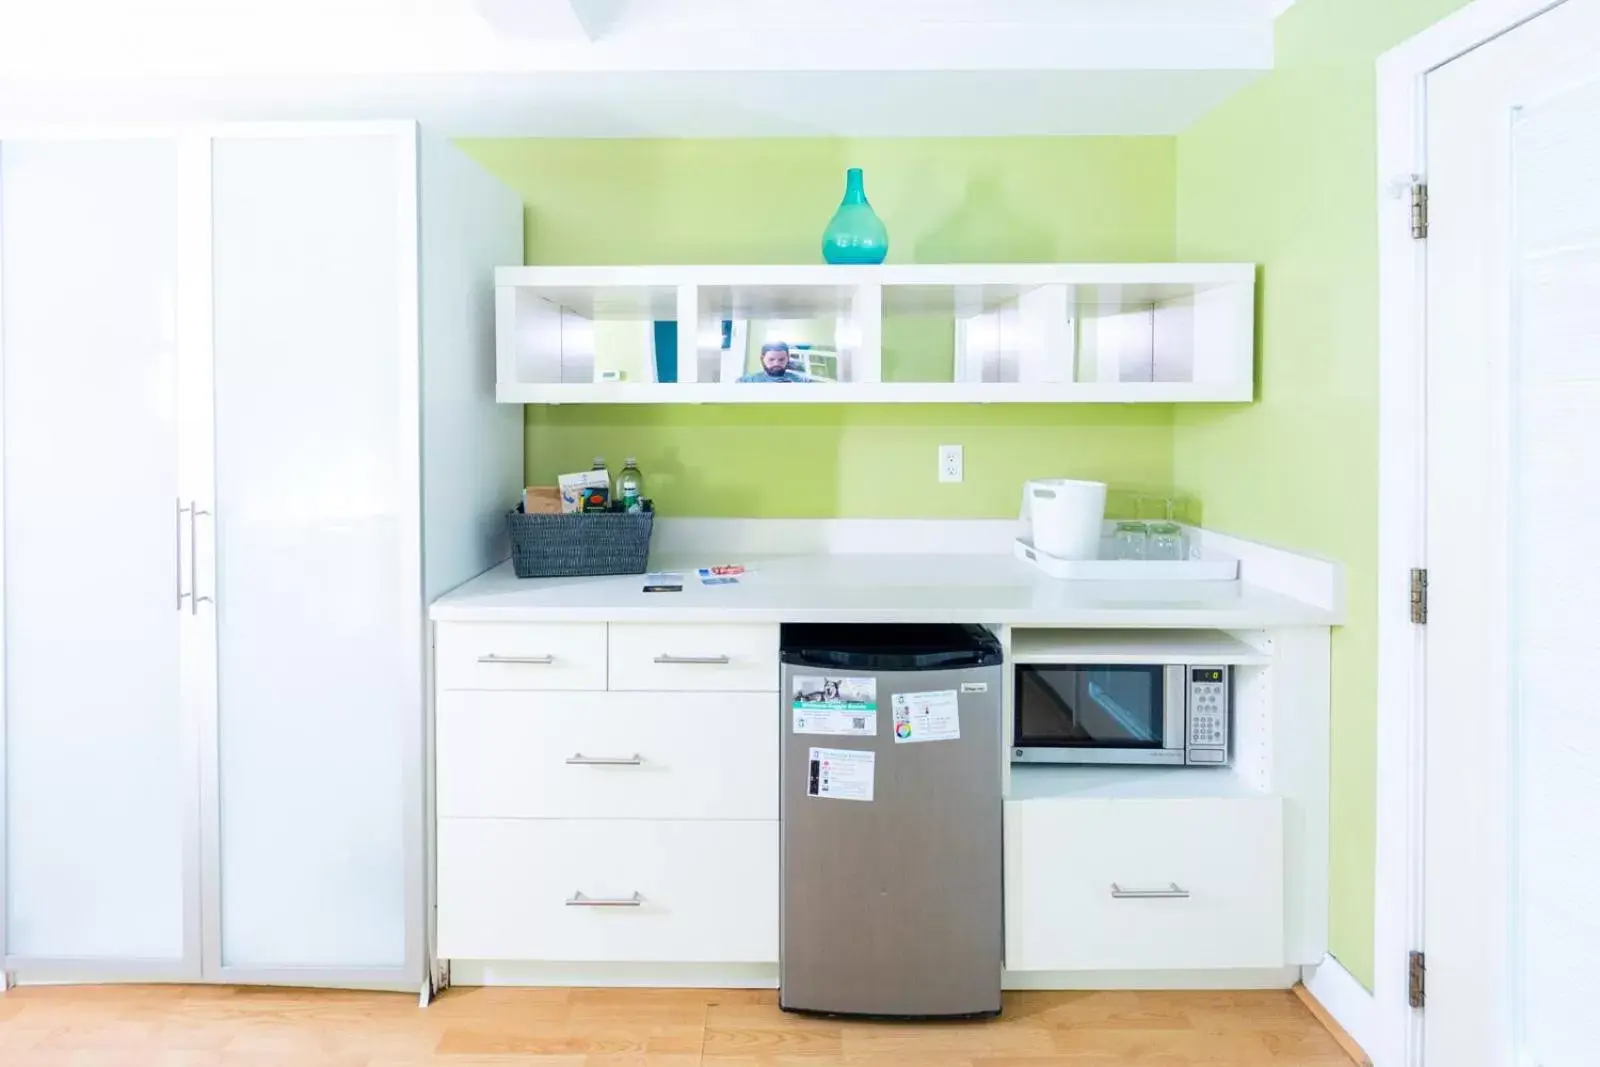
(578, 759)
(709, 661)
(1172, 892)
(495, 657)
(578, 900)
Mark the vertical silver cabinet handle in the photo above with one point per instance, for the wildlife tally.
(578, 759)
(177, 547)
(1172, 892)
(578, 900)
(710, 661)
(495, 657)
(195, 599)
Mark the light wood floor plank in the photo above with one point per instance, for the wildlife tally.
(202, 1026)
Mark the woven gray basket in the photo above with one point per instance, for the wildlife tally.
(575, 545)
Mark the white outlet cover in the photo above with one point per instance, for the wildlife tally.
(950, 463)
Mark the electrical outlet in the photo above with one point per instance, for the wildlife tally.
(949, 463)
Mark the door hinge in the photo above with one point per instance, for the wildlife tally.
(1419, 595)
(1419, 209)
(1416, 979)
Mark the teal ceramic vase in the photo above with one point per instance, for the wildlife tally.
(856, 234)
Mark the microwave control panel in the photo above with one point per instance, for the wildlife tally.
(1208, 715)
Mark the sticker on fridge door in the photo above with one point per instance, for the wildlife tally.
(926, 717)
(841, 707)
(840, 774)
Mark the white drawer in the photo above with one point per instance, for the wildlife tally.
(520, 655)
(703, 892)
(1063, 857)
(572, 755)
(663, 657)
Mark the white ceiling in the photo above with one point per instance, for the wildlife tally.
(631, 68)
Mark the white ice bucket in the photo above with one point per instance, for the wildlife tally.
(1065, 516)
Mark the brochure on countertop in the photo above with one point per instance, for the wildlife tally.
(724, 575)
(727, 574)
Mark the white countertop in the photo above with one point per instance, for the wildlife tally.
(877, 587)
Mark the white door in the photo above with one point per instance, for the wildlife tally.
(100, 798)
(1512, 926)
(314, 848)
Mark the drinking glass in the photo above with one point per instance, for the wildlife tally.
(1129, 540)
(1165, 541)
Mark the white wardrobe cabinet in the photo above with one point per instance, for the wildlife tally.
(101, 853)
(248, 383)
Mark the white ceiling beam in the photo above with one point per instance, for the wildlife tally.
(242, 38)
(666, 104)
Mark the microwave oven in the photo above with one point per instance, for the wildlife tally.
(1167, 714)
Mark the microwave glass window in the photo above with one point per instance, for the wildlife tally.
(1098, 706)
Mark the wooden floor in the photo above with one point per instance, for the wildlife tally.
(176, 1026)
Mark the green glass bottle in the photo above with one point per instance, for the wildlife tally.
(855, 235)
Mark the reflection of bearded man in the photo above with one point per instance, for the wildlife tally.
(775, 365)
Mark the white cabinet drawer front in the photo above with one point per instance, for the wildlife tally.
(608, 755)
(495, 655)
(623, 891)
(665, 657)
(1100, 884)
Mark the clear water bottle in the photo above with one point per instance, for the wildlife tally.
(630, 487)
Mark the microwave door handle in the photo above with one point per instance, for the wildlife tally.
(1175, 691)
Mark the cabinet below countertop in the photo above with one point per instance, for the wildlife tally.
(608, 793)
(1128, 884)
(608, 755)
(608, 890)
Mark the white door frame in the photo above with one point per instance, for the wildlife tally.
(1402, 274)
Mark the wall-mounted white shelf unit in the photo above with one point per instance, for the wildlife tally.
(961, 333)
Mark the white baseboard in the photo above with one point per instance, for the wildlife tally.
(1221, 978)
(1346, 999)
(635, 975)
(765, 976)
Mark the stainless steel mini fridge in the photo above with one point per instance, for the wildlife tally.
(891, 809)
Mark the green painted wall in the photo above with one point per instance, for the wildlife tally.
(1285, 175)
(767, 201)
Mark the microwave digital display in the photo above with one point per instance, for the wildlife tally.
(1207, 674)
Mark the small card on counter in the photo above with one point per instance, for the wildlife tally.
(840, 774)
(922, 717)
(663, 583)
(724, 575)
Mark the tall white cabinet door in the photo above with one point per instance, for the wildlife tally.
(315, 861)
(100, 792)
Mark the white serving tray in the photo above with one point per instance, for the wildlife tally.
(1208, 568)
